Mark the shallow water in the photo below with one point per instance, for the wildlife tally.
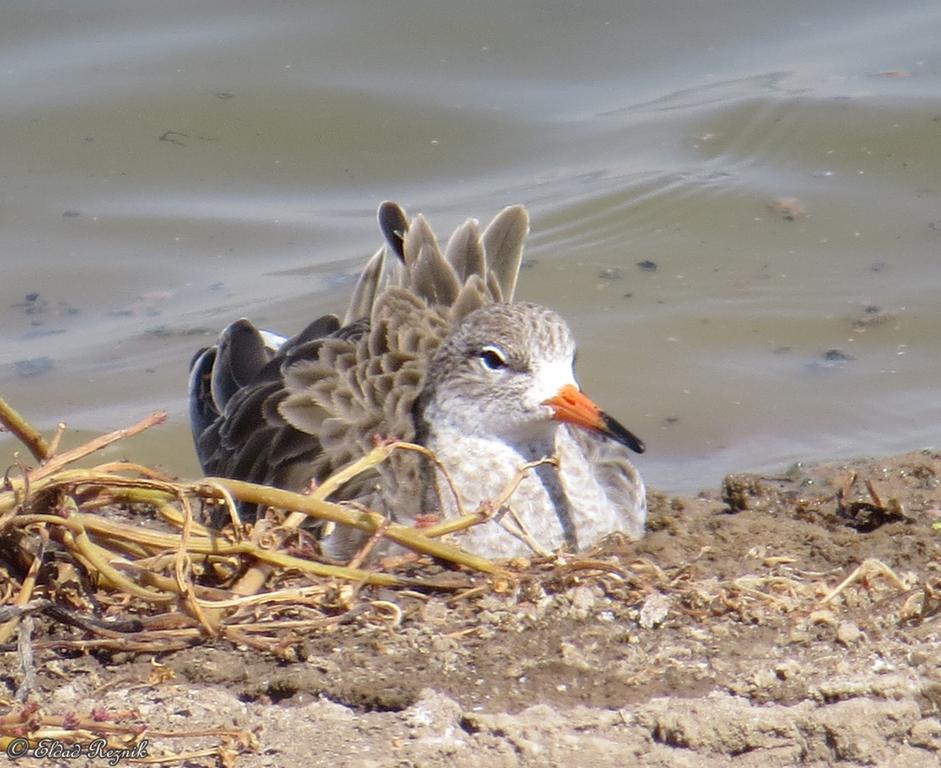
(168, 168)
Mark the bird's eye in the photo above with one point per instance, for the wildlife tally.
(492, 358)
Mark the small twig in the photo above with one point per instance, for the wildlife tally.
(183, 570)
(176, 641)
(869, 566)
(844, 490)
(644, 565)
(96, 444)
(342, 476)
(430, 455)
(300, 624)
(237, 526)
(212, 545)
(26, 590)
(390, 608)
(295, 595)
(93, 624)
(519, 530)
(129, 466)
(8, 612)
(588, 564)
(25, 647)
(487, 512)
(15, 493)
(371, 542)
(521, 473)
(103, 561)
(56, 439)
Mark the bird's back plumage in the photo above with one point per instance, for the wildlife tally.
(288, 412)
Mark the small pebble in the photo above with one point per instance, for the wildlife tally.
(788, 668)
(799, 637)
(848, 633)
(822, 617)
(583, 602)
(764, 678)
(654, 611)
(790, 208)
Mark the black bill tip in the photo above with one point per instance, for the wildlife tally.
(621, 434)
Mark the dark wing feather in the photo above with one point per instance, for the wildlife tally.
(297, 413)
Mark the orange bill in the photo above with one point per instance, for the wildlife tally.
(575, 407)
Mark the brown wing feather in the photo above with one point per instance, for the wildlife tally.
(299, 413)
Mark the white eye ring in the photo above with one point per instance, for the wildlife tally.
(492, 358)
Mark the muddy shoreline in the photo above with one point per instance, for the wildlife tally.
(774, 621)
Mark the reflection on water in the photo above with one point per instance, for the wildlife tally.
(739, 209)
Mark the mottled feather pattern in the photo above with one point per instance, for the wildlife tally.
(316, 403)
(625, 490)
(405, 359)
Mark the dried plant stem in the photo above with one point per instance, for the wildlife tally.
(255, 577)
(80, 524)
(56, 438)
(24, 431)
(96, 444)
(25, 593)
(364, 521)
(466, 520)
(869, 567)
(157, 564)
(101, 560)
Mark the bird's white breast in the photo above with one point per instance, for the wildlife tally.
(550, 503)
